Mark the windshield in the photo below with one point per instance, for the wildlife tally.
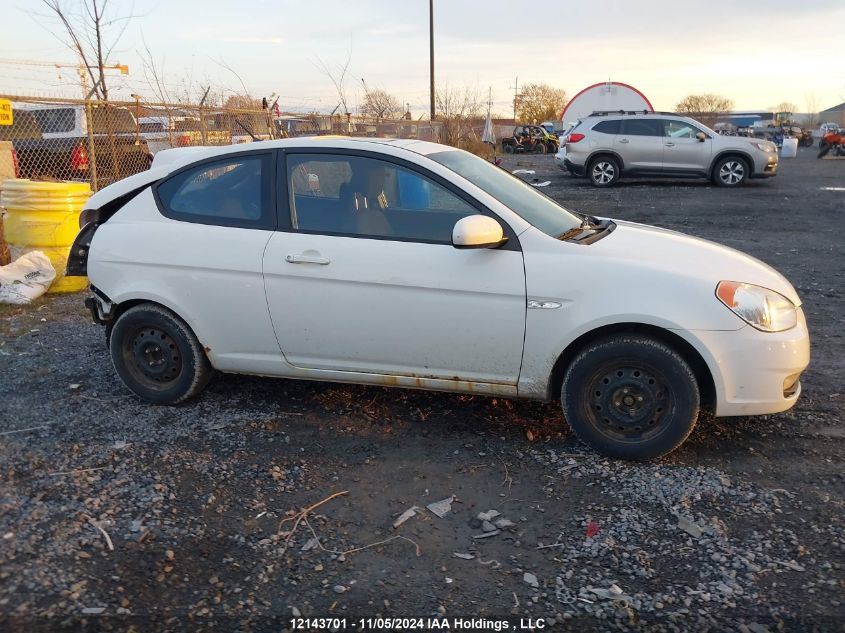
(521, 198)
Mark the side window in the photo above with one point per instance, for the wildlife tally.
(366, 197)
(643, 127)
(55, 120)
(680, 129)
(234, 191)
(608, 127)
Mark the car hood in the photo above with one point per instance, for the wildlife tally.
(693, 257)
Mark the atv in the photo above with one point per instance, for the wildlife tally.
(805, 137)
(530, 139)
(833, 142)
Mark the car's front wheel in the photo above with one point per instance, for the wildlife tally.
(604, 171)
(730, 172)
(157, 356)
(631, 397)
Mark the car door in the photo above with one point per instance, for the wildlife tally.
(365, 279)
(205, 258)
(685, 152)
(640, 144)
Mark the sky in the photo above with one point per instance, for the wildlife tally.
(757, 53)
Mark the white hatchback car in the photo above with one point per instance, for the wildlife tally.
(412, 264)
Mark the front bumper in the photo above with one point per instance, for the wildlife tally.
(754, 372)
(768, 167)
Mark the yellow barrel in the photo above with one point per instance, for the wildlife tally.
(44, 216)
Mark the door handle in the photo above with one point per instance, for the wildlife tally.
(307, 259)
(670, 145)
(623, 140)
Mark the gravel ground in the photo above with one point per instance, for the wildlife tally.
(117, 515)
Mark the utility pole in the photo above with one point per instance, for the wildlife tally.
(515, 97)
(431, 54)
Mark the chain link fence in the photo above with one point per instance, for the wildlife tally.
(102, 142)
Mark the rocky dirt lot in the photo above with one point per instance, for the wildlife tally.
(117, 515)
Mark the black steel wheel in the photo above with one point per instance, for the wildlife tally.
(630, 396)
(157, 356)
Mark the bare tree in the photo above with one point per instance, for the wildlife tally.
(539, 102)
(337, 74)
(786, 106)
(705, 107)
(92, 33)
(154, 74)
(380, 104)
(241, 102)
(457, 111)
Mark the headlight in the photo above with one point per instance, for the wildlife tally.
(761, 308)
(769, 148)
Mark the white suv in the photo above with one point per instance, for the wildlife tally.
(411, 264)
(608, 145)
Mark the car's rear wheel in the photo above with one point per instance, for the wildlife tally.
(540, 148)
(731, 171)
(157, 356)
(824, 148)
(631, 397)
(507, 149)
(604, 171)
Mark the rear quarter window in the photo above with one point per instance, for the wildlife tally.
(608, 127)
(232, 191)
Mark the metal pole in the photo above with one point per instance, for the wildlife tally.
(431, 54)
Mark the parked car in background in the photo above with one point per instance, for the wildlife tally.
(412, 264)
(53, 142)
(24, 127)
(606, 146)
(827, 128)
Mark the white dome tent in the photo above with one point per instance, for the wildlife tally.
(605, 96)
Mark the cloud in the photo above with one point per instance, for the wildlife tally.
(251, 40)
(221, 35)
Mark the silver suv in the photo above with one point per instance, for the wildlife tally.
(608, 145)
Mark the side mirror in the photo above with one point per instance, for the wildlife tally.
(701, 136)
(478, 231)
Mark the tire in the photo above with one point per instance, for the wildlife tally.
(540, 148)
(631, 397)
(603, 171)
(731, 171)
(157, 356)
(824, 148)
(507, 149)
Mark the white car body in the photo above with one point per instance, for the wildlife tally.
(431, 316)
